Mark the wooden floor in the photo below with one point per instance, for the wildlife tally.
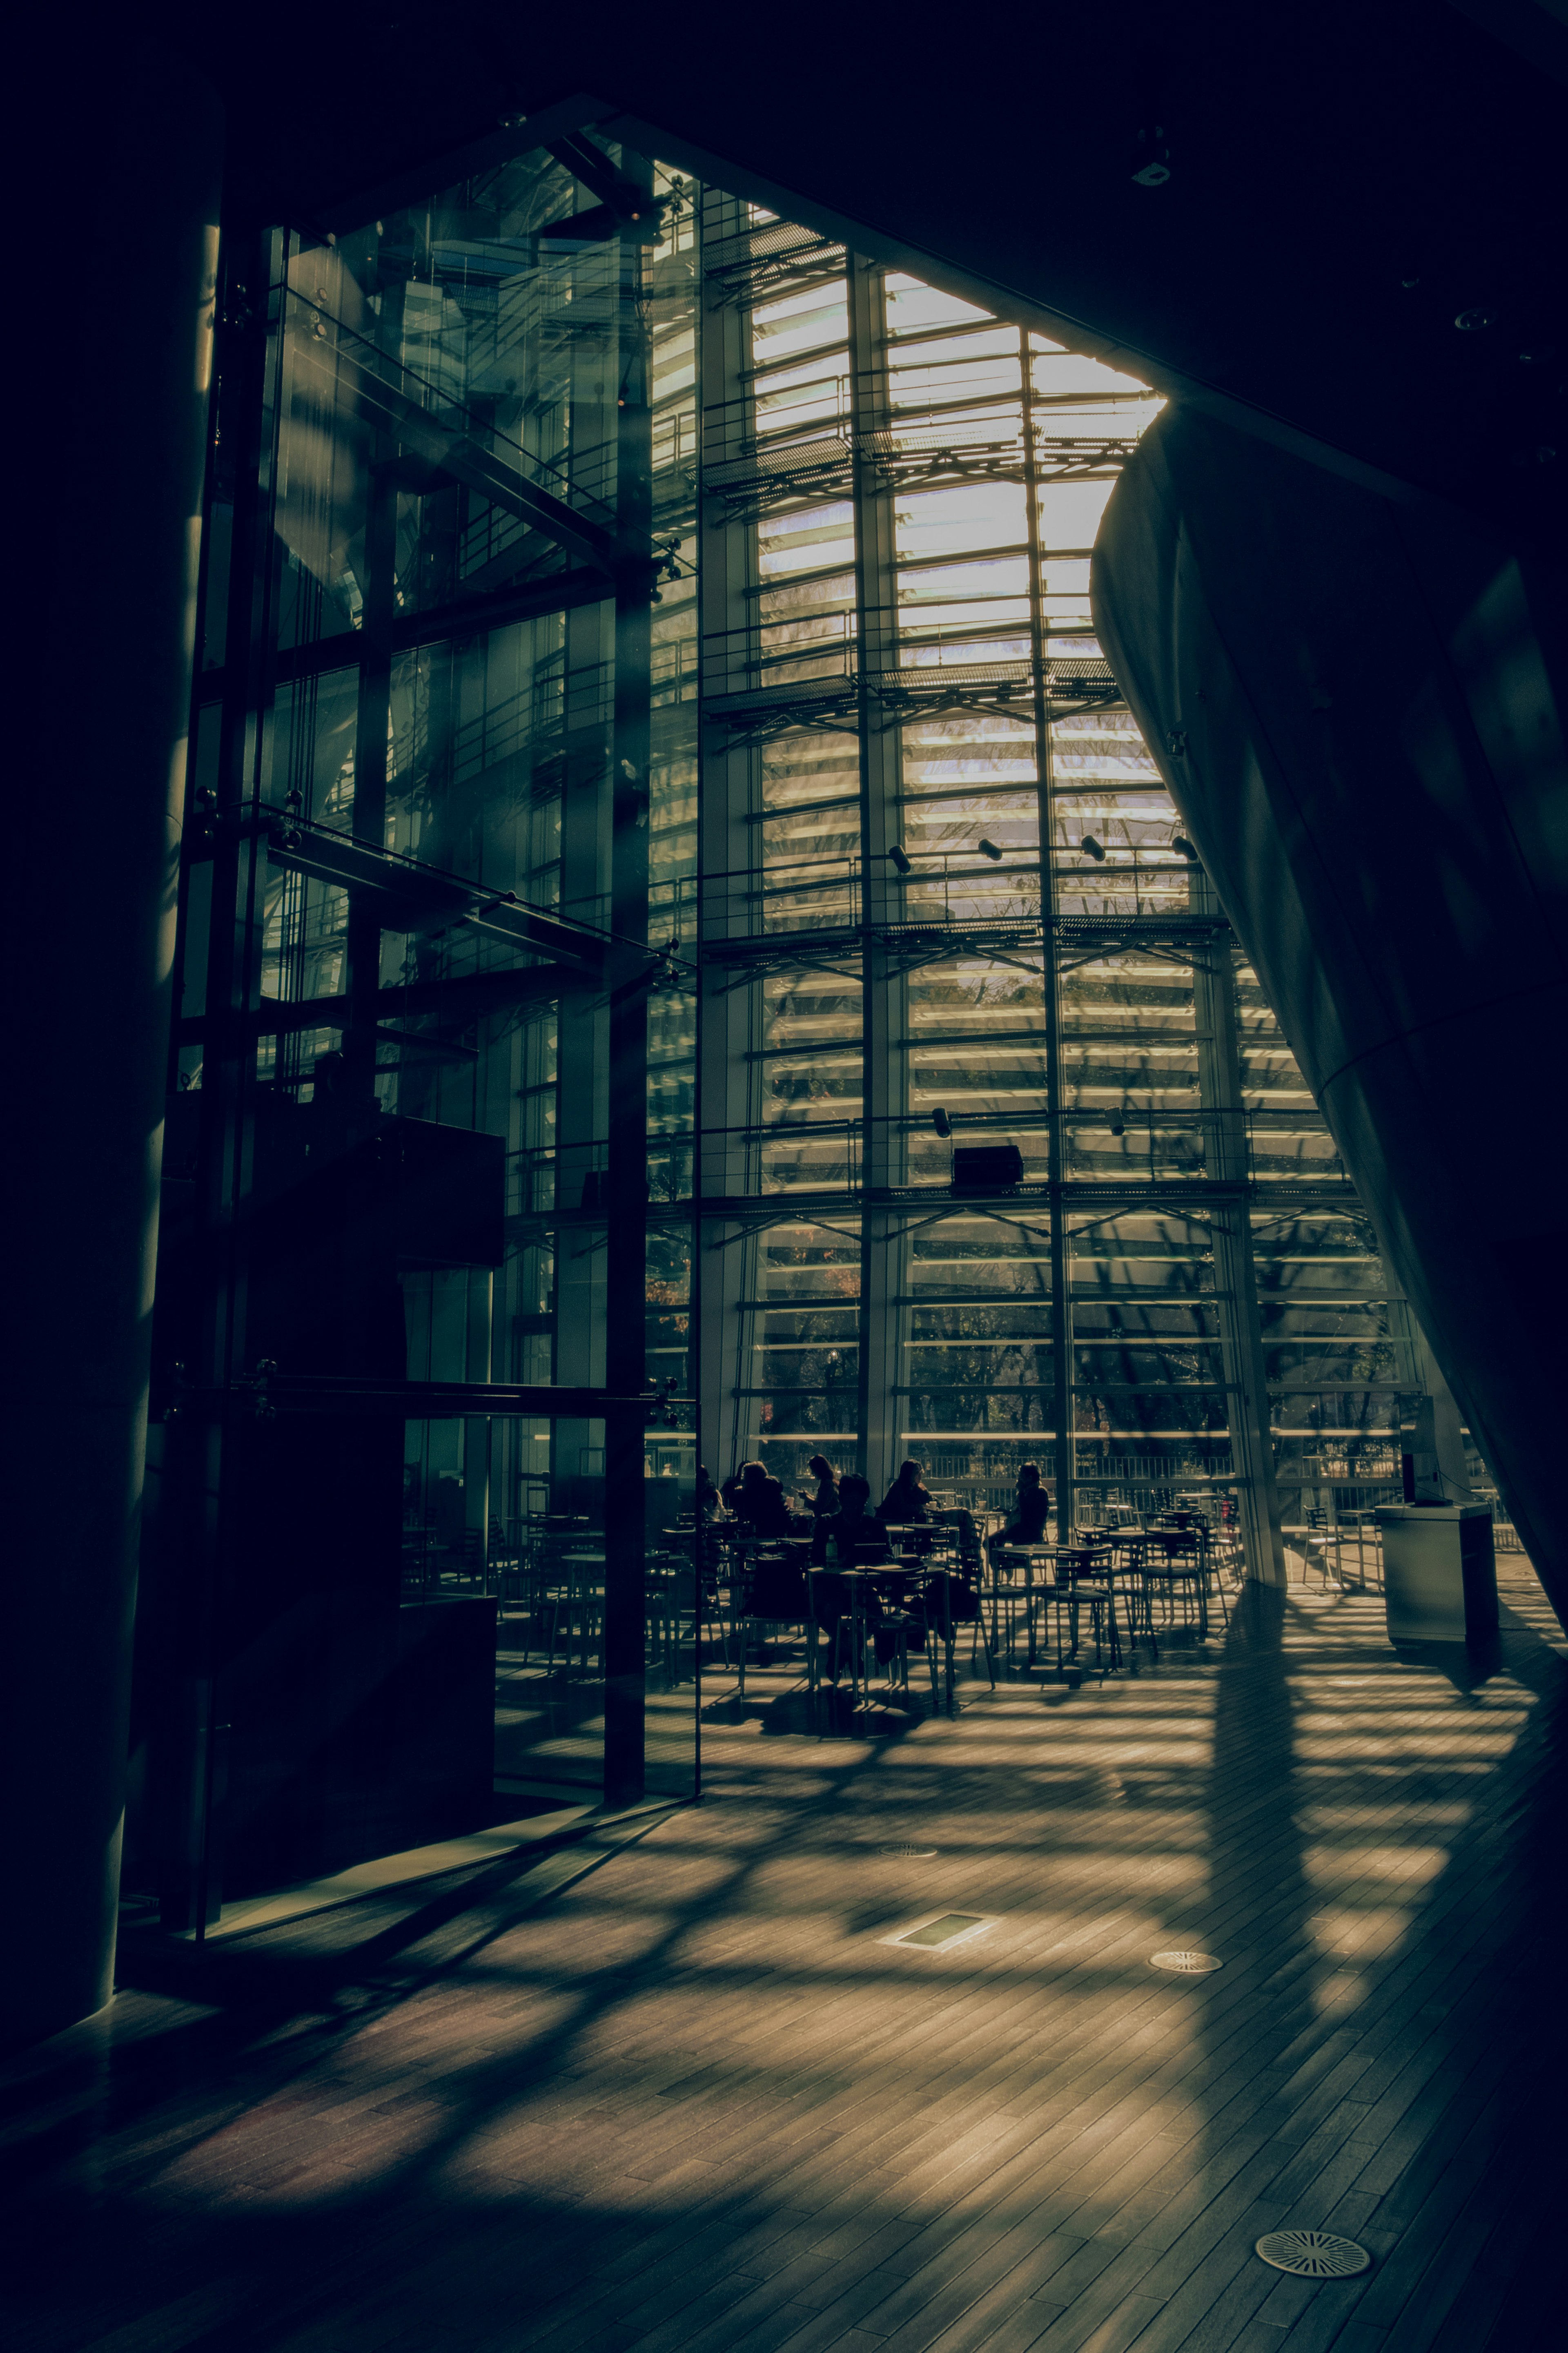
(698, 2104)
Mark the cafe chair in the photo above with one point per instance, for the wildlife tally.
(1086, 1580)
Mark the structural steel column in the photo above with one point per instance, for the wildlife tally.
(582, 1104)
(727, 1017)
(1062, 1365)
(102, 724)
(379, 588)
(186, 1529)
(882, 994)
(627, 1187)
(1234, 1269)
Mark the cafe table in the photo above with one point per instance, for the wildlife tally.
(861, 1584)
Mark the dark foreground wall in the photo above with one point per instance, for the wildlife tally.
(108, 413)
(1358, 707)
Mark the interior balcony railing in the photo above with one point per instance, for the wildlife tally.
(758, 683)
(811, 459)
(812, 911)
(414, 434)
(767, 258)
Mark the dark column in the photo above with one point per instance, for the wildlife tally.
(625, 1184)
(878, 1403)
(1235, 1268)
(110, 500)
(1358, 708)
(1063, 1365)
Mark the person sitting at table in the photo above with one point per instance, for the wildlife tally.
(758, 1499)
(906, 1502)
(824, 1502)
(841, 1534)
(706, 1501)
(1031, 1508)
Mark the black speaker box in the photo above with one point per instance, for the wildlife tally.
(986, 1167)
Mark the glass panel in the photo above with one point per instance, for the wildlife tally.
(414, 924)
(921, 680)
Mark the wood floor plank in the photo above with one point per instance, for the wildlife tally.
(696, 2101)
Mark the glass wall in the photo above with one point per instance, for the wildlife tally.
(947, 905)
(657, 810)
(416, 1567)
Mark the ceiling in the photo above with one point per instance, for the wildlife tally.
(1345, 182)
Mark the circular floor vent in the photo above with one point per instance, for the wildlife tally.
(1314, 2254)
(921, 1851)
(1186, 1964)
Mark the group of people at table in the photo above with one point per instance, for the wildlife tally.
(906, 1569)
(842, 1523)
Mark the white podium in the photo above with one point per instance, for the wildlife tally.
(1439, 1575)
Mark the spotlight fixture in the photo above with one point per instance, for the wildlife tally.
(1150, 157)
(941, 1122)
(901, 859)
(1118, 1124)
(988, 849)
(1090, 847)
(1470, 322)
(1183, 848)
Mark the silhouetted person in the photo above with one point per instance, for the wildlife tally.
(836, 1538)
(906, 1502)
(1031, 1508)
(758, 1499)
(824, 1502)
(706, 1501)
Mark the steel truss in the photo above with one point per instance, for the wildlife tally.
(913, 692)
(768, 258)
(768, 474)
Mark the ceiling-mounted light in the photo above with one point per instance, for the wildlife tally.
(1150, 157)
(1470, 322)
(988, 849)
(1118, 1124)
(1090, 847)
(1183, 848)
(901, 859)
(941, 1122)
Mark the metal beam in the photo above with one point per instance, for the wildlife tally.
(342, 366)
(271, 1393)
(416, 898)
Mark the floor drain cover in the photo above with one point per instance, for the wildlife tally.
(907, 1850)
(943, 1931)
(1187, 1964)
(1314, 2254)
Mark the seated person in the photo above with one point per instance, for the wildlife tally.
(825, 1502)
(1030, 1510)
(906, 1502)
(838, 1537)
(705, 1502)
(759, 1500)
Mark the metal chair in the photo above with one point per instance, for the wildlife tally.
(1086, 1579)
(775, 1594)
(1177, 1563)
(1013, 1590)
